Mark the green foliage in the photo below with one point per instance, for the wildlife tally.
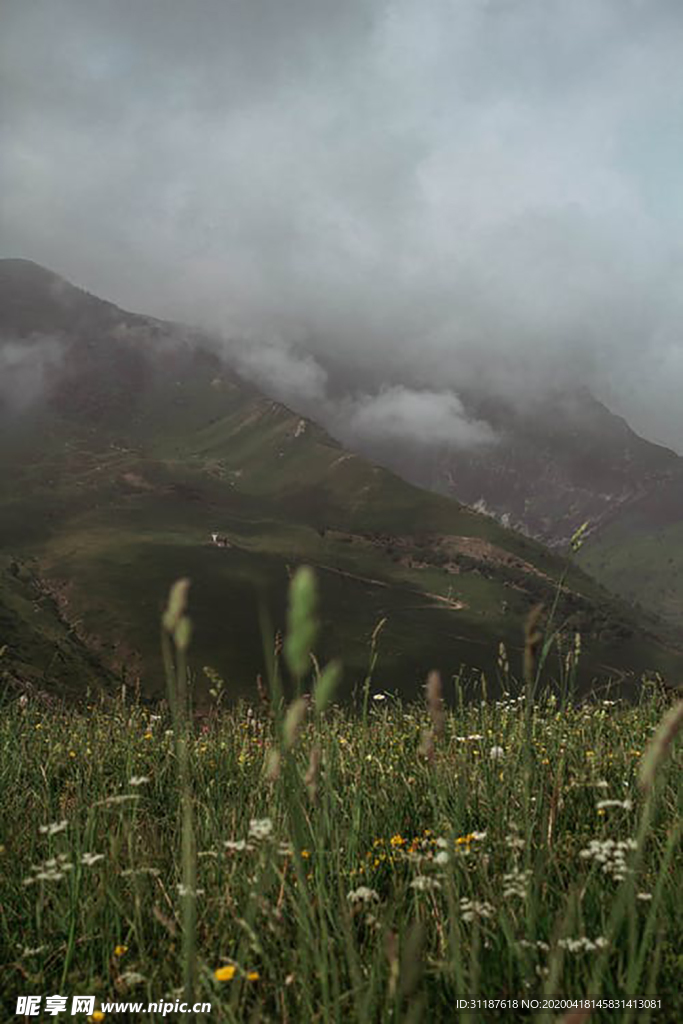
(302, 621)
(363, 882)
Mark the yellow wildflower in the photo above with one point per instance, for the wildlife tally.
(120, 950)
(226, 973)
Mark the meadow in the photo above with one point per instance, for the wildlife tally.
(291, 859)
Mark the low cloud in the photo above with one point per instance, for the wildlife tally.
(403, 414)
(283, 372)
(26, 369)
(416, 193)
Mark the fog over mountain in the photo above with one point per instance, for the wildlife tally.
(386, 203)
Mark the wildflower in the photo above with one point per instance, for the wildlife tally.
(305, 854)
(379, 696)
(253, 976)
(644, 896)
(583, 944)
(538, 944)
(496, 753)
(515, 842)
(88, 859)
(260, 828)
(515, 884)
(610, 855)
(96, 1016)
(471, 909)
(397, 840)
(131, 978)
(112, 801)
(226, 973)
(363, 895)
(54, 828)
(441, 857)
(138, 780)
(186, 890)
(148, 736)
(425, 884)
(120, 950)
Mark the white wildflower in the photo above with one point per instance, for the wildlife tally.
(113, 801)
(496, 753)
(88, 859)
(626, 804)
(515, 884)
(471, 909)
(139, 780)
(363, 895)
(260, 828)
(425, 884)
(132, 978)
(53, 828)
(515, 842)
(583, 944)
(237, 845)
(610, 855)
(186, 890)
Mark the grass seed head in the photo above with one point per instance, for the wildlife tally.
(177, 604)
(660, 744)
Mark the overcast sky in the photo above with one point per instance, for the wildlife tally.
(419, 193)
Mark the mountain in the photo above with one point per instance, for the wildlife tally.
(561, 460)
(129, 442)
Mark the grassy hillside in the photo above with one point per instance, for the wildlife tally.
(143, 443)
(640, 553)
(40, 650)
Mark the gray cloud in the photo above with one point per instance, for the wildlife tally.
(27, 367)
(426, 195)
(404, 414)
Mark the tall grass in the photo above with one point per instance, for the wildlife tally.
(298, 862)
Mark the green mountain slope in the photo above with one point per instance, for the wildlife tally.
(639, 554)
(40, 649)
(142, 444)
